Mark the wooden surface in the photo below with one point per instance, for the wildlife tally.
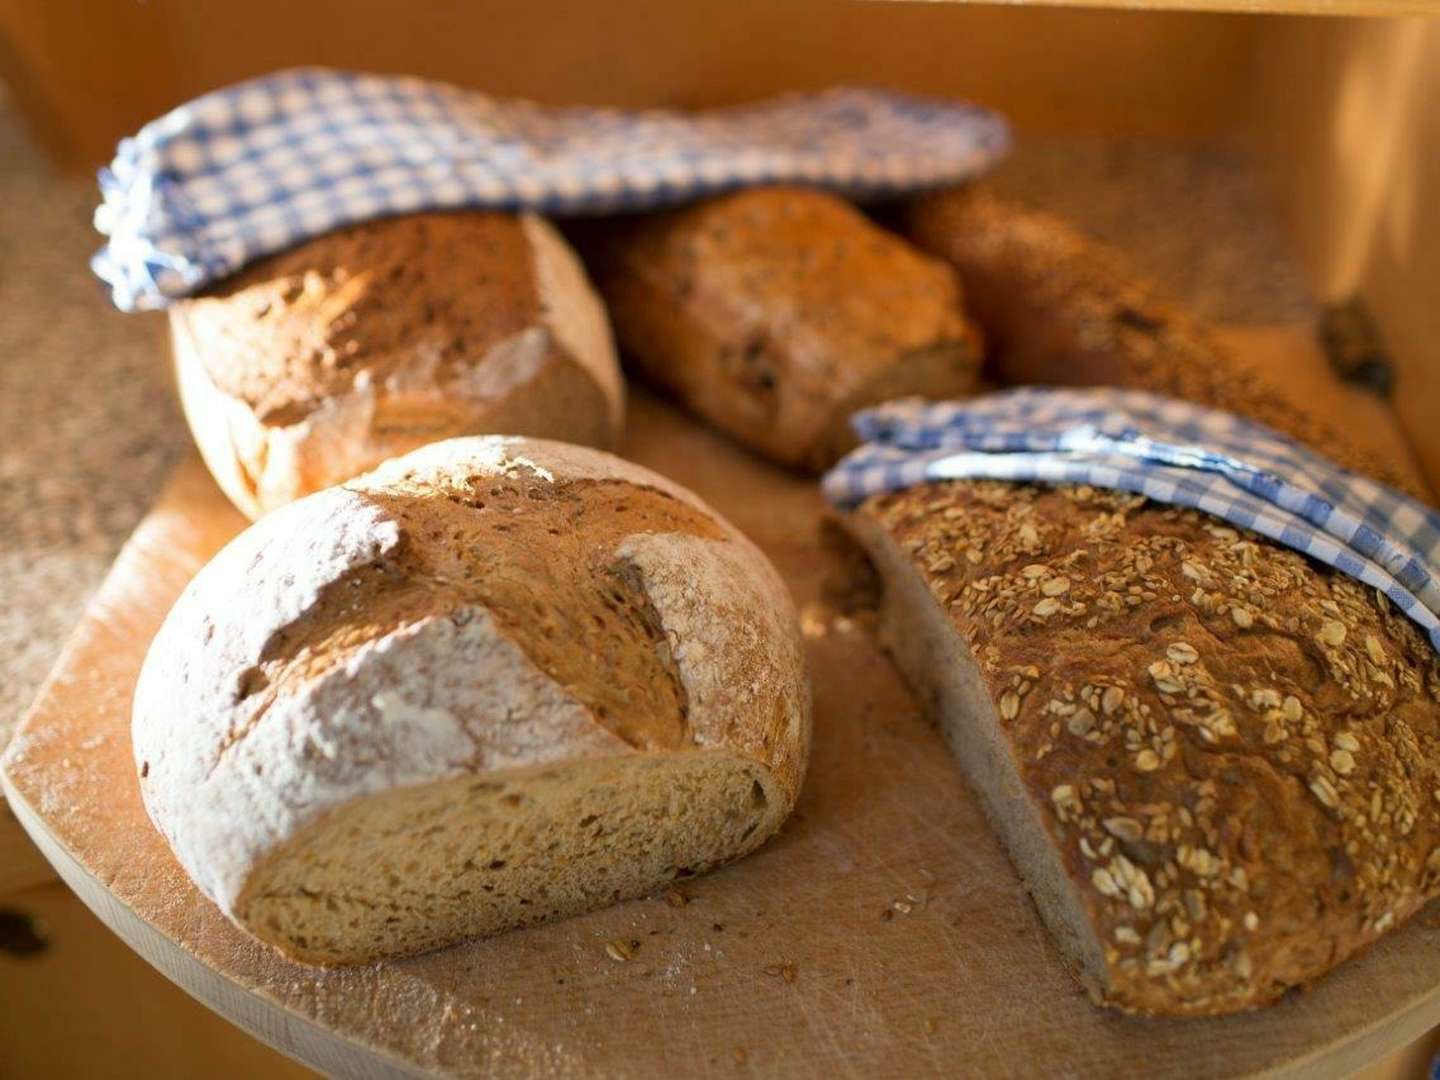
(1401, 274)
(882, 929)
(1344, 117)
(1383, 8)
(1049, 69)
(87, 979)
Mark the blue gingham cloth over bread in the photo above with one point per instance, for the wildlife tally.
(1170, 451)
(252, 169)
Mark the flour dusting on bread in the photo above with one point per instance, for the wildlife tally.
(530, 677)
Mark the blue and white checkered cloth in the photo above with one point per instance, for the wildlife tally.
(254, 168)
(1170, 451)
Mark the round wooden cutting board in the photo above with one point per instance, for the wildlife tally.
(883, 932)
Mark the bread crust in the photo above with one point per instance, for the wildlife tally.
(1234, 751)
(776, 312)
(315, 365)
(1058, 308)
(372, 637)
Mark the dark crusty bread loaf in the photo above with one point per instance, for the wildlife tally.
(775, 313)
(309, 367)
(1215, 763)
(1058, 308)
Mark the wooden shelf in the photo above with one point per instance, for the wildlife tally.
(1380, 8)
(21, 866)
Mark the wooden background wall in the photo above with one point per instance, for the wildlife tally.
(93, 70)
(1348, 121)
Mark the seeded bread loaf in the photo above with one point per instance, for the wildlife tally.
(775, 313)
(1215, 763)
(317, 364)
(496, 681)
(1058, 308)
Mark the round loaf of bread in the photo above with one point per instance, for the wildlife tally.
(315, 365)
(494, 682)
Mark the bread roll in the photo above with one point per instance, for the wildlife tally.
(1215, 763)
(775, 313)
(1060, 309)
(496, 681)
(317, 364)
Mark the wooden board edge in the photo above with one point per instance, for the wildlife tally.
(1321, 8)
(297, 1038)
(1368, 1047)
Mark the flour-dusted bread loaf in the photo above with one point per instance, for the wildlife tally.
(494, 682)
(1058, 308)
(1215, 763)
(312, 366)
(775, 313)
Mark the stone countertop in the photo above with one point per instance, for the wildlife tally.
(89, 428)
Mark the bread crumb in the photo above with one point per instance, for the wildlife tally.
(620, 950)
(784, 970)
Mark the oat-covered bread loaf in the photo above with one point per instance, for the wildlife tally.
(775, 313)
(494, 682)
(1058, 308)
(314, 365)
(1215, 763)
